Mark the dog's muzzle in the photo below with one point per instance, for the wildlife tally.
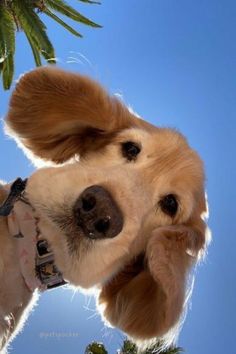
(97, 214)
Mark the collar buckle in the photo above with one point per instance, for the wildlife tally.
(46, 270)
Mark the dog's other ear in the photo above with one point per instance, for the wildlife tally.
(147, 298)
(57, 114)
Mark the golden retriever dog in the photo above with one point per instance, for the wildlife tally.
(121, 207)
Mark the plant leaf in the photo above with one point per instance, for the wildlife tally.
(7, 47)
(8, 71)
(62, 23)
(95, 348)
(34, 27)
(66, 10)
(35, 49)
(91, 2)
(1, 67)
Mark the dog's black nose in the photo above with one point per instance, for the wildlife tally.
(97, 214)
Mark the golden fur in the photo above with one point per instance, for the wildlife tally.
(142, 273)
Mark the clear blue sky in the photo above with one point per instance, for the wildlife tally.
(175, 63)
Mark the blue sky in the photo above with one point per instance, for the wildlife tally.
(174, 62)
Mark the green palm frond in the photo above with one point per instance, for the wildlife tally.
(8, 71)
(156, 349)
(175, 351)
(7, 47)
(35, 49)
(35, 28)
(63, 8)
(1, 67)
(24, 15)
(95, 348)
(91, 2)
(129, 347)
(62, 23)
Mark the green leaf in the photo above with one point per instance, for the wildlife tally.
(8, 71)
(91, 2)
(7, 47)
(7, 32)
(95, 348)
(66, 10)
(1, 67)
(35, 49)
(156, 349)
(129, 347)
(62, 23)
(34, 28)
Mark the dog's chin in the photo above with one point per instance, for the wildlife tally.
(77, 258)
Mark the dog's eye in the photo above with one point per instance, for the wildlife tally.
(130, 150)
(169, 204)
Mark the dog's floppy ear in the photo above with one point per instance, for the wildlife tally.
(147, 297)
(57, 114)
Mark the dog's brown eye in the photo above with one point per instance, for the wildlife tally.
(169, 204)
(130, 150)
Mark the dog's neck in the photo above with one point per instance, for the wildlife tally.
(33, 252)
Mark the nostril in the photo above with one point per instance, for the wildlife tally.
(88, 203)
(97, 214)
(102, 225)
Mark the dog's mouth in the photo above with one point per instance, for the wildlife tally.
(97, 214)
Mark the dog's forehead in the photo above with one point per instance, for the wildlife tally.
(166, 155)
(161, 144)
(153, 136)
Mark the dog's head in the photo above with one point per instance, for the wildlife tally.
(123, 209)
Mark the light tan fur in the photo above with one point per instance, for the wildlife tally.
(141, 274)
(15, 298)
